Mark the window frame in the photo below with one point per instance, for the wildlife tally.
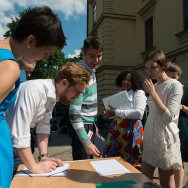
(149, 33)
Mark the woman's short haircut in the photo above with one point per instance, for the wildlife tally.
(74, 73)
(172, 67)
(44, 24)
(136, 79)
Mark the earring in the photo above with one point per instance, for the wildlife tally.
(28, 46)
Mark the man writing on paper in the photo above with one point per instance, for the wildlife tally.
(33, 107)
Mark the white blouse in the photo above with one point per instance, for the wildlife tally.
(138, 103)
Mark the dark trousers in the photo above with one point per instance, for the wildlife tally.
(78, 150)
(17, 161)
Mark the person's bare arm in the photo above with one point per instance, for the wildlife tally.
(9, 73)
(27, 158)
(42, 143)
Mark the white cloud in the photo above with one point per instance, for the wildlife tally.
(69, 8)
(76, 54)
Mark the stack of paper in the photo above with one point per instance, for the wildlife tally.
(118, 101)
(59, 171)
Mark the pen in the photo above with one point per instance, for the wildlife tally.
(25, 173)
(56, 173)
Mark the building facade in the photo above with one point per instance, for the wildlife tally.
(130, 30)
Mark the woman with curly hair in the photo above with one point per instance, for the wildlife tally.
(126, 131)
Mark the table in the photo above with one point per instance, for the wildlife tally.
(81, 174)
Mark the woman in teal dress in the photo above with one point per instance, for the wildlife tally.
(28, 43)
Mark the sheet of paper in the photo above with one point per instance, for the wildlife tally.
(109, 167)
(118, 101)
(59, 171)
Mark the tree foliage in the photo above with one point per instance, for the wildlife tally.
(48, 69)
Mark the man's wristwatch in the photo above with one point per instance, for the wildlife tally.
(43, 155)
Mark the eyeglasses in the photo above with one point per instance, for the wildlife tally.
(77, 92)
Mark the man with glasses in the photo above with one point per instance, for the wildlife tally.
(83, 110)
(33, 107)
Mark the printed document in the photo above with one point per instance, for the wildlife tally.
(118, 101)
(109, 167)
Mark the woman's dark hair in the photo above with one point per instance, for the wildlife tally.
(92, 42)
(172, 67)
(136, 79)
(159, 57)
(44, 24)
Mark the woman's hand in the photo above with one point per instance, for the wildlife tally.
(111, 112)
(104, 111)
(149, 87)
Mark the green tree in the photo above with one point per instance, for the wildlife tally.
(48, 69)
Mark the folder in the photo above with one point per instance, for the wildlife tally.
(117, 184)
(99, 142)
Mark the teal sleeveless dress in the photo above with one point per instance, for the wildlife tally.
(6, 152)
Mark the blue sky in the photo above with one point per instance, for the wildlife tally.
(75, 31)
(72, 14)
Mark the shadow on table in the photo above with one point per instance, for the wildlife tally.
(85, 176)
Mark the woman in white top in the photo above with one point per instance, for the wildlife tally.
(161, 145)
(125, 134)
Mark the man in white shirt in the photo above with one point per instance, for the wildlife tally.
(33, 107)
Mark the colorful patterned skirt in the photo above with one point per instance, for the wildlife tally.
(123, 139)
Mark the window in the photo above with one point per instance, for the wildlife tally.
(94, 13)
(185, 14)
(149, 33)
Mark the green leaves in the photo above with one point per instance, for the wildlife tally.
(48, 69)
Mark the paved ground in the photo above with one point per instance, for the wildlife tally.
(59, 147)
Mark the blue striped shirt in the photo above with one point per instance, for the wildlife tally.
(83, 110)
